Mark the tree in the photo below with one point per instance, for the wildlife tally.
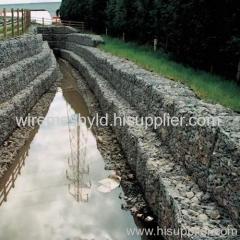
(202, 33)
(98, 15)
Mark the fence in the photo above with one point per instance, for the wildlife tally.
(81, 26)
(14, 22)
(57, 21)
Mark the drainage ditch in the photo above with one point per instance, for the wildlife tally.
(72, 182)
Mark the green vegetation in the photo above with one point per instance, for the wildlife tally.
(207, 86)
(204, 34)
(200, 33)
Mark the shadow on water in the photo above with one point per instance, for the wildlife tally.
(56, 195)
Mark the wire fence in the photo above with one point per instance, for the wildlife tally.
(17, 21)
(80, 26)
(14, 22)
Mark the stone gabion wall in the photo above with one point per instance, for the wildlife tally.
(168, 160)
(18, 75)
(28, 69)
(58, 36)
(210, 154)
(55, 35)
(14, 50)
(174, 198)
(53, 30)
(85, 39)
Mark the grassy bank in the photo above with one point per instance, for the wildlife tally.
(210, 87)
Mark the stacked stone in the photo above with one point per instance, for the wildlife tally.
(56, 36)
(174, 197)
(189, 174)
(27, 70)
(15, 50)
(210, 154)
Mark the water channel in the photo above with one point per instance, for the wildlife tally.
(55, 195)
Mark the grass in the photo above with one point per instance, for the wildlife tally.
(209, 87)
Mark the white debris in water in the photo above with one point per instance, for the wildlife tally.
(149, 219)
(109, 184)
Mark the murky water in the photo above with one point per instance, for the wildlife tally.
(55, 196)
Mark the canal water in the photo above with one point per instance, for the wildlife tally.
(56, 195)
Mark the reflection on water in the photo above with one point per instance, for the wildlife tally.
(8, 181)
(78, 169)
(56, 196)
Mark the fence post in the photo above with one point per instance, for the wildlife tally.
(12, 13)
(25, 20)
(106, 31)
(238, 72)
(166, 44)
(43, 21)
(4, 23)
(22, 20)
(155, 42)
(123, 36)
(18, 30)
(29, 18)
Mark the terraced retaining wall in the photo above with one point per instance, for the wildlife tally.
(27, 70)
(190, 175)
